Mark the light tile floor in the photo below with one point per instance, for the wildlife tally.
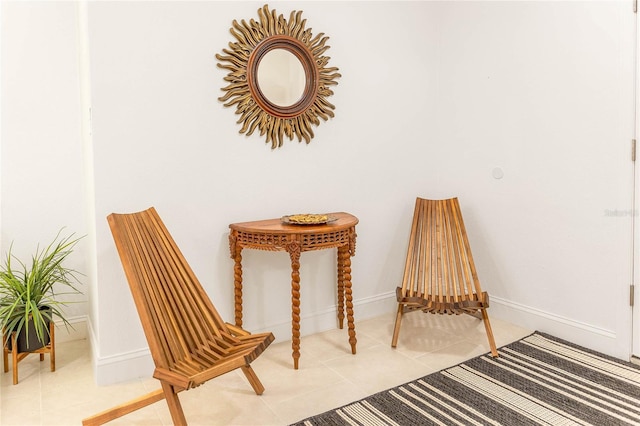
(329, 376)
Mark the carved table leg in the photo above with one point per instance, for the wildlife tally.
(294, 253)
(346, 259)
(237, 284)
(341, 285)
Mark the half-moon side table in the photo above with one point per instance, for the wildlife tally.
(274, 235)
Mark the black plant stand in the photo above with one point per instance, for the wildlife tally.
(16, 356)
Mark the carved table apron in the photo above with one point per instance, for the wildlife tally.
(273, 235)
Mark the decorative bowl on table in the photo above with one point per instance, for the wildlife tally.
(307, 219)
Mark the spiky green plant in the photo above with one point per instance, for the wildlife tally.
(25, 292)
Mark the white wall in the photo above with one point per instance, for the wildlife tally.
(41, 171)
(434, 96)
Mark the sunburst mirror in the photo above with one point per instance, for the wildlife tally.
(278, 77)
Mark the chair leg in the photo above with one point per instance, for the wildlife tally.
(396, 328)
(487, 326)
(253, 379)
(175, 408)
(123, 409)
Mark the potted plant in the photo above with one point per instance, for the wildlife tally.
(29, 293)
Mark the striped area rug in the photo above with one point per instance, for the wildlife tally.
(539, 380)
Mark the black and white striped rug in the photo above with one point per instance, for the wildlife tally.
(539, 380)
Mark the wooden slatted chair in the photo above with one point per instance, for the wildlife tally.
(440, 276)
(188, 340)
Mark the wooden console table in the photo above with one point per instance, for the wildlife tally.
(273, 235)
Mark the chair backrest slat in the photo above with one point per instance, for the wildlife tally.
(136, 263)
(410, 268)
(177, 316)
(451, 281)
(181, 295)
(439, 265)
(430, 235)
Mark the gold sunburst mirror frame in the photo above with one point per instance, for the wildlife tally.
(242, 60)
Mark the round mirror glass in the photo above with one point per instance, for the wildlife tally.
(281, 77)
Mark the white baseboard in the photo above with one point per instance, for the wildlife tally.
(325, 320)
(118, 368)
(123, 367)
(138, 363)
(587, 335)
(77, 330)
